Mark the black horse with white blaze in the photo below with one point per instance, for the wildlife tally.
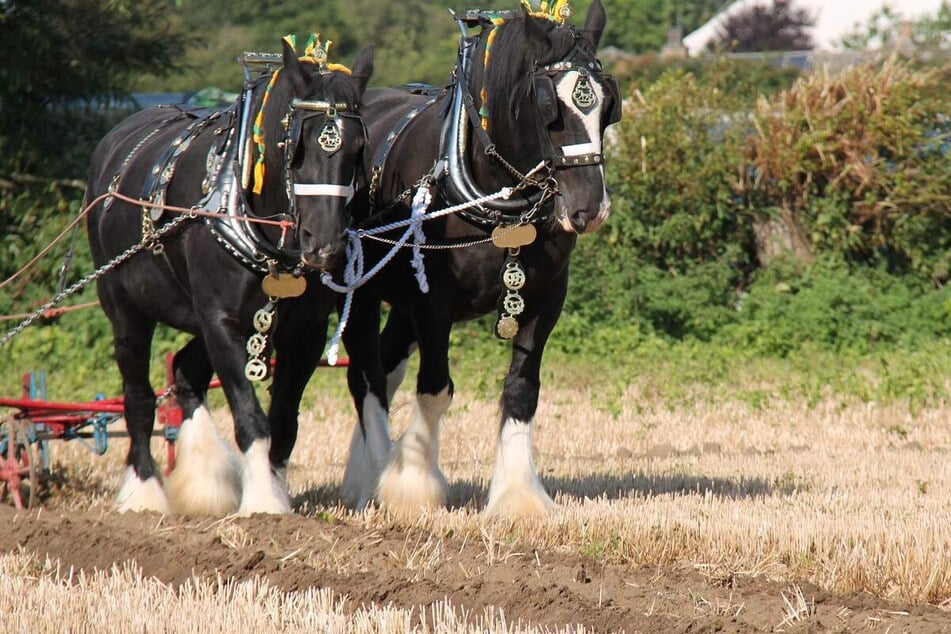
(528, 111)
(290, 150)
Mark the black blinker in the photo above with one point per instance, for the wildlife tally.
(611, 85)
(546, 99)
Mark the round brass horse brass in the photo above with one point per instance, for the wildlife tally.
(283, 285)
(507, 327)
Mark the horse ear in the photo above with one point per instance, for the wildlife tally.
(301, 80)
(363, 67)
(595, 22)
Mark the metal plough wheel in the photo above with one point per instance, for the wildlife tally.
(18, 473)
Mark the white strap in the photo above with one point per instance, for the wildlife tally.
(581, 148)
(320, 189)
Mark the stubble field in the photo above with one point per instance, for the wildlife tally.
(701, 513)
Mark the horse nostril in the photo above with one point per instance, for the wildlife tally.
(579, 220)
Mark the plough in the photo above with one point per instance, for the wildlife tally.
(25, 434)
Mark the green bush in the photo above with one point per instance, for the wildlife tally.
(674, 160)
(858, 163)
(836, 307)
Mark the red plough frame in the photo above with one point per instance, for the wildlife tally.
(25, 435)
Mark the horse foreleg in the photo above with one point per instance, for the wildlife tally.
(412, 479)
(397, 343)
(370, 442)
(207, 475)
(262, 491)
(516, 489)
(298, 343)
(141, 488)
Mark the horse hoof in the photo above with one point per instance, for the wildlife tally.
(411, 489)
(138, 495)
(518, 502)
(206, 480)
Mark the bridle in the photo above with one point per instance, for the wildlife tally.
(329, 140)
(227, 189)
(460, 185)
(584, 98)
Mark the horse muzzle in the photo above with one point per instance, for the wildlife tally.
(327, 258)
(582, 220)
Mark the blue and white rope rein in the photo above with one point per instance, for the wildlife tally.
(353, 274)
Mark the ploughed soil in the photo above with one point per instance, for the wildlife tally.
(401, 565)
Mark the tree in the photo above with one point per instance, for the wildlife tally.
(61, 53)
(776, 27)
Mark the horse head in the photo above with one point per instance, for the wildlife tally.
(322, 149)
(549, 99)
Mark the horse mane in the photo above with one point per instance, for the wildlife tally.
(511, 61)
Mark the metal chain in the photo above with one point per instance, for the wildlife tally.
(524, 180)
(147, 242)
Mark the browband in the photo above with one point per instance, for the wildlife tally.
(303, 104)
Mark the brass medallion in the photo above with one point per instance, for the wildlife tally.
(263, 319)
(255, 370)
(513, 236)
(256, 344)
(513, 303)
(513, 276)
(283, 285)
(583, 93)
(507, 327)
(330, 140)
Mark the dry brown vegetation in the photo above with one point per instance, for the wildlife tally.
(836, 515)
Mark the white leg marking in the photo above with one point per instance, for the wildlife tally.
(262, 490)
(368, 456)
(136, 495)
(396, 375)
(412, 480)
(516, 490)
(395, 378)
(207, 475)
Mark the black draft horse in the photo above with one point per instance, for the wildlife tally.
(545, 100)
(206, 277)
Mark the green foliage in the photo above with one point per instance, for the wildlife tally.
(840, 308)
(856, 162)
(61, 56)
(743, 79)
(415, 40)
(676, 157)
(640, 26)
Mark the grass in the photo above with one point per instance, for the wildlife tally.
(827, 488)
(34, 596)
(826, 492)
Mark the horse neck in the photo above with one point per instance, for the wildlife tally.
(515, 137)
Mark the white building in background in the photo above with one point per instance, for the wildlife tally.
(834, 19)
